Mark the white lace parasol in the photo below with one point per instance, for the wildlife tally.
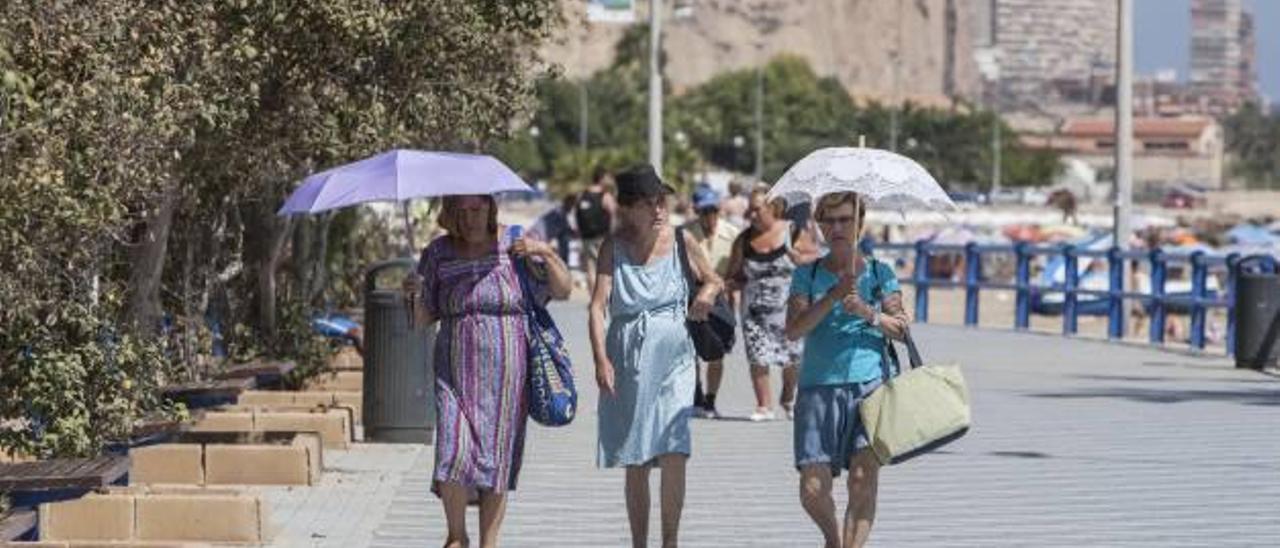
(886, 179)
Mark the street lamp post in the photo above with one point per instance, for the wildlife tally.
(655, 85)
(1124, 125)
(759, 170)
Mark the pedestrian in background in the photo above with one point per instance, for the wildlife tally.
(761, 265)
(734, 207)
(466, 280)
(844, 305)
(645, 362)
(594, 214)
(554, 226)
(716, 238)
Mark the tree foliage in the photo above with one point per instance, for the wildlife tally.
(1253, 140)
(145, 146)
(801, 112)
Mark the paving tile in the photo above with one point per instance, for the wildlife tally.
(1075, 443)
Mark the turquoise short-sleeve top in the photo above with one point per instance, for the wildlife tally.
(843, 348)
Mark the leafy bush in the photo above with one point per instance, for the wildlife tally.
(71, 384)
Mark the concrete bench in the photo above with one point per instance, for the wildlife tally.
(291, 459)
(293, 400)
(329, 381)
(139, 515)
(333, 425)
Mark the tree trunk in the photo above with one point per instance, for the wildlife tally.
(144, 312)
(264, 243)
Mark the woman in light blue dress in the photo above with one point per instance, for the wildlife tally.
(645, 360)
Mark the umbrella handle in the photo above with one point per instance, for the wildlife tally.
(408, 232)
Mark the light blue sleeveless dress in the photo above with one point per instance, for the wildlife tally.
(653, 361)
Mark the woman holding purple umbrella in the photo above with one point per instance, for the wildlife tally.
(466, 280)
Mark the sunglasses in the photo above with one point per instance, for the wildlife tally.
(841, 220)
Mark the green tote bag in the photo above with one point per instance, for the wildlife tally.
(917, 411)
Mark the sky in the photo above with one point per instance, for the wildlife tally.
(1162, 38)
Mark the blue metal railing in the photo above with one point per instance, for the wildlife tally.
(1157, 301)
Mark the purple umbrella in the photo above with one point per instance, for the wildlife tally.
(400, 176)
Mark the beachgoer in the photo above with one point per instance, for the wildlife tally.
(763, 259)
(716, 238)
(554, 226)
(843, 306)
(594, 215)
(734, 206)
(645, 360)
(466, 280)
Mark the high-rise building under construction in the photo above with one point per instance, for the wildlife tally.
(1223, 59)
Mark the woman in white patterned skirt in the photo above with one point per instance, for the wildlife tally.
(763, 258)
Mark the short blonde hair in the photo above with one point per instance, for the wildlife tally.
(837, 199)
(448, 216)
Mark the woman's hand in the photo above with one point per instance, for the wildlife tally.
(701, 307)
(894, 327)
(845, 287)
(604, 376)
(529, 247)
(412, 285)
(853, 304)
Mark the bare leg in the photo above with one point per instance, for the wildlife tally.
(760, 382)
(715, 372)
(815, 497)
(673, 466)
(589, 264)
(454, 498)
(493, 506)
(790, 376)
(864, 480)
(638, 504)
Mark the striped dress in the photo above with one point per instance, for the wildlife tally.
(480, 365)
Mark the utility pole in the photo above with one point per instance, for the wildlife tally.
(759, 171)
(1123, 183)
(655, 85)
(996, 136)
(897, 98)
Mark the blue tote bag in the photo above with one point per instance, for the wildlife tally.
(553, 400)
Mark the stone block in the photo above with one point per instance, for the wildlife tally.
(257, 465)
(92, 517)
(337, 380)
(217, 421)
(334, 427)
(314, 445)
(201, 518)
(347, 359)
(166, 463)
(265, 398)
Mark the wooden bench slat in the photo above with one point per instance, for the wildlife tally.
(63, 474)
(16, 523)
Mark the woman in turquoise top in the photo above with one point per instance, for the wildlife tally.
(843, 305)
(645, 362)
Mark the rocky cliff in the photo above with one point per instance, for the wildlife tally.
(880, 49)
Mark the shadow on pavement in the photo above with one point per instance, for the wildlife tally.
(1147, 395)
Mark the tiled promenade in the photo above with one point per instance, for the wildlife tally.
(1075, 443)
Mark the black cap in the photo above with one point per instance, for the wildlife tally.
(641, 182)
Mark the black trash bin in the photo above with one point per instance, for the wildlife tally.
(1257, 313)
(399, 397)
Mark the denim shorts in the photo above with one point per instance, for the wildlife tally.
(828, 428)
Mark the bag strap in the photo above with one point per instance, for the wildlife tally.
(913, 352)
(522, 270)
(691, 283)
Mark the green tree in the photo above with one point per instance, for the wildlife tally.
(1253, 140)
(127, 126)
